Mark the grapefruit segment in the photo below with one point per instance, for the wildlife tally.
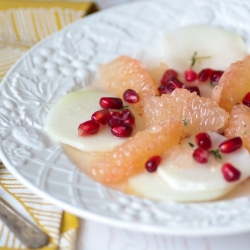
(233, 84)
(196, 113)
(126, 73)
(239, 124)
(130, 157)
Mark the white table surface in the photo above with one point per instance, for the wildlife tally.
(95, 236)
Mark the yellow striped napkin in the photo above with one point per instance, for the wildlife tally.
(22, 24)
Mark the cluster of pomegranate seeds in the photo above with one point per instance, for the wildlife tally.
(204, 143)
(152, 163)
(246, 99)
(205, 75)
(170, 82)
(230, 173)
(120, 121)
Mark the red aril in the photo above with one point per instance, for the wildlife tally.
(113, 122)
(215, 76)
(175, 83)
(128, 117)
(203, 140)
(116, 114)
(124, 130)
(170, 73)
(192, 89)
(111, 103)
(190, 75)
(163, 89)
(152, 163)
(88, 128)
(230, 173)
(119, 118)
(200, 155)
(246, 99)
(130, 96)
(204, 75)
(230, 145)
(101, 116)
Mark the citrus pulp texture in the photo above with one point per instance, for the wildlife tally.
(196, 113)
(130, 157)
(239, 124)
(233, 84)
(127, 73)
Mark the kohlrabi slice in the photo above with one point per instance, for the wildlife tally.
(179, 177)
(218, 47)
(72, 110)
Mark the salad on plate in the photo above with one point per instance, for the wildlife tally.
(177, 129)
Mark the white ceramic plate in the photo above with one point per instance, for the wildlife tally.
(65, 62)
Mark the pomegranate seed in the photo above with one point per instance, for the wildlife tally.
(174, 83)
(246, 99)
(190, 75)
(116, 114)
(230, 173)
(205, 74)
(111, 103)
(113, 122)
(230, 145)
(131, 96)
(192, 89)
(163, 89)
(203, 140)
(152, 163)
(128, 117)
(215, 76)
(88, 128)
(101, 116)
(124, 130)
(200, 155)
(170, 73)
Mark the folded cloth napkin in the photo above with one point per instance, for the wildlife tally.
(22, 24)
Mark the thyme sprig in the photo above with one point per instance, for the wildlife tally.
(194, 58)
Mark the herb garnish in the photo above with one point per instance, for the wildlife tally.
(194, 58)
(185, 121)
(216, 153)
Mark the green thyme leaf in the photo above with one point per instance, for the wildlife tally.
(194, 58)
(191, 144)
(185, 121)
(216, 153)
(124, 107)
